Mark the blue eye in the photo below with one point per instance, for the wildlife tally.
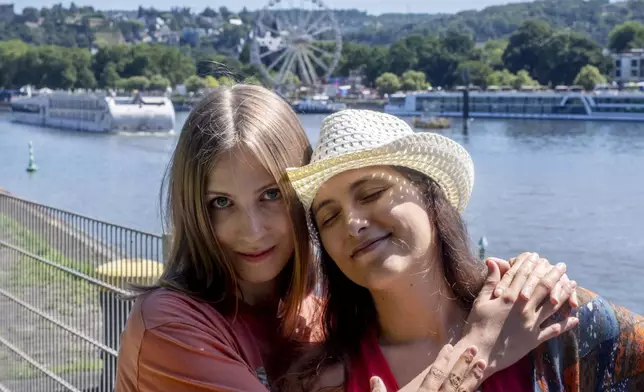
(220, 202)
(272, 194)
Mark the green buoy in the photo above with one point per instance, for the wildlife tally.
(482, 247)
(32, 167)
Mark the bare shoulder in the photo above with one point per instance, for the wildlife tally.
(331, 380)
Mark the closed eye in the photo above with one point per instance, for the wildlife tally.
(327, 220)
(372, 196)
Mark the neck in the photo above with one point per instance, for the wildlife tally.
(263, 294)
(419, 307)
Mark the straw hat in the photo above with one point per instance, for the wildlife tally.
(352, 139)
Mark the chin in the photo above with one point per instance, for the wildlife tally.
(263, 273)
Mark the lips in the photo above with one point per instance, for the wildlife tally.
(368, 245)
(258, 255)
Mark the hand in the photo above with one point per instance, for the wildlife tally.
(465, 375)
(507, 273)
(508, 327)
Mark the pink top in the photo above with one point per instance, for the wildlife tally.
(371, 362)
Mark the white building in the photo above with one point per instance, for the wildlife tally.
(629, 66)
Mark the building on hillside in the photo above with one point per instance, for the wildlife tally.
(6, 13)
(629, 66)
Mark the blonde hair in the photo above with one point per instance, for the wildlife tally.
(230, 116)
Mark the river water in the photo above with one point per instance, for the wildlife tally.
(572, 191)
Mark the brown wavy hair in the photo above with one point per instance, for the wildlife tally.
(231, 116)
(349, 311)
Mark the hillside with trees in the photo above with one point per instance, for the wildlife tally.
(78, 26)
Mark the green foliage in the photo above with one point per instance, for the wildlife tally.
(194, 83)
(628, 35)
(133, 83)
(414, 81)
(589, 76)
(388, 83)
(159, 83)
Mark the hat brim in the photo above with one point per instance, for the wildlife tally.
(438, 157)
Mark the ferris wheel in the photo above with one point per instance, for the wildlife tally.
(302, 41)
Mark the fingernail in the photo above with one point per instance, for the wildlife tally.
(481, 365)
(574, 321)
(472, 350)
(561, 266)
(573, 285)
(498, 292)
(534, 257)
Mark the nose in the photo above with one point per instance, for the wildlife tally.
(252, 224)
(356, 222)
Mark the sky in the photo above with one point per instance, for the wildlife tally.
(370, 6)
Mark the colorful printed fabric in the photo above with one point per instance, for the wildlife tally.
(605, 352)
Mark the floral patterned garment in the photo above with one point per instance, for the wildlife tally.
(605, 352)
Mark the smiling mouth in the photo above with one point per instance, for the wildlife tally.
(257, 256)
(369, 246)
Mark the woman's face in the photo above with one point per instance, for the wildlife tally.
(249, 217)
(374, 225)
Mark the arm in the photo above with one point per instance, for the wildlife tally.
(181, 357)
(608, 346)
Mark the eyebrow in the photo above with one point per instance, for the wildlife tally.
(352, 188)
(258, 190)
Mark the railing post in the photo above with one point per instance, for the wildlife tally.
(116, 309)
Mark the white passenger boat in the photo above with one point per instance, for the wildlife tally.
(95, 112)
(569, 105)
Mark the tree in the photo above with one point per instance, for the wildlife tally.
(159, 83)
(134, 83)
(388, 83)
(564, 54)
(414, 81)
(501, 78)
(211, 81)
(109, 77)
(588, 77)
(478, 72)
(194, 83)
(523, 78)
(628, 35)
(525, 46)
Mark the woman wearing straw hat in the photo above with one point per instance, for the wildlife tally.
(400, 282)
(235, 297)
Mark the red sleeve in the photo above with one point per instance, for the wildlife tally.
(180, 357)
(173, 343)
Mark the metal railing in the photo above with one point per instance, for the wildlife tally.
(62, 281)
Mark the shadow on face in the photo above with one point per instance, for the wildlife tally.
(374, 224)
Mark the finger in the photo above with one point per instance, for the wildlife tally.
(473, 377)
(438, 371)
(555, 294)
(507, 278)
(458, 372)
(504, 266)
(526, 268)
(541, 269)
(546, 285)
(377, 385)
(557, 329)
(493, 279)
(549, 309)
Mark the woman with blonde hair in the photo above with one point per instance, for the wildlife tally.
(235, 298)
(400, 281)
